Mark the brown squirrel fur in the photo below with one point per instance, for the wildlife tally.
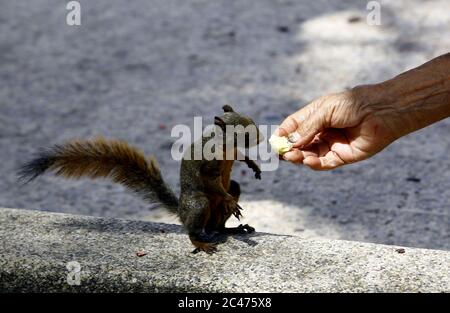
(208, 196)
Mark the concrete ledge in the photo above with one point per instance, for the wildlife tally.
(36, 247)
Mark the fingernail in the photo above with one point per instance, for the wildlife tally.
(280, 132)
(288, 156)
(294, 137)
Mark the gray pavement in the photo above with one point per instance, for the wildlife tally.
(106, 255)
(134, 69)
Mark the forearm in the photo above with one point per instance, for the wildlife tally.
(416, 98)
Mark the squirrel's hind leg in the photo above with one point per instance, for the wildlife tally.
(195, 213)
(234, 190)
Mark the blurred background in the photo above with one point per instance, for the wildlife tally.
(134, 69)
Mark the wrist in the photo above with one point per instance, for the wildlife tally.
(412, 100)
(407, 102)
(377, 102)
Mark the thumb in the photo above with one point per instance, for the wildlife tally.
(308, 128)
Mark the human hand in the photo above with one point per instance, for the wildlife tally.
(339, 129)
(351, 126)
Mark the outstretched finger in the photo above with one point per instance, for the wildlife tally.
(295, 156)
(328, 162)
(289, 125)
(293, 121)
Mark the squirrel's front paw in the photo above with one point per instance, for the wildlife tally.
(258, 174)
(232, 207)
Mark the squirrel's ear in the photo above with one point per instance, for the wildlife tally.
(227, 108)
(219, 122)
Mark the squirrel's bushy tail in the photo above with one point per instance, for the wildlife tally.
(99, 157)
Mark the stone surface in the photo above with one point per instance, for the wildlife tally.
(134, 69)
(35, 248)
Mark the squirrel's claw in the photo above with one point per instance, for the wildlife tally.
(209, 249)
(247, 228)
(258, 175)
(240, 230)
(237, 213)
(205, 242)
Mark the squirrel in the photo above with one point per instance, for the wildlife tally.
(208, 196)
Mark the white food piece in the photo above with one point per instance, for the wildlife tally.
(280, 145)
